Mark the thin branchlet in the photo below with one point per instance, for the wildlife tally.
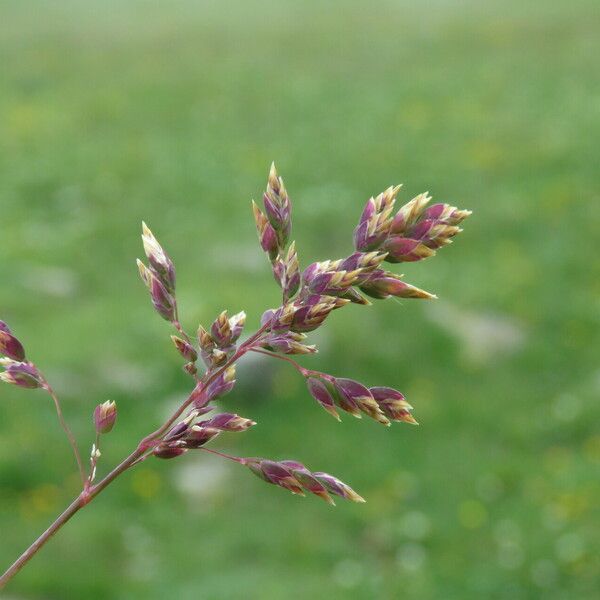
(383, 235)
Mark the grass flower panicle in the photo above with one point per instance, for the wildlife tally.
(309, 297)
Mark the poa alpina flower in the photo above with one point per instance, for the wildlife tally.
(158, 259)
(413, 233)
(211, 355)
(11, 347)
(374, 224)
(224, 332)
(185, 349)
(289, 343)
(105, 415)
(393, 404)
(278, 208)
(163, 301)
(400, 249)
(313, 311)
(281, 319)
(332, 282)
(229, 422)
(221, 330)
(323, 395)
(296, 478)
(307, 480)
(22, 374)
(337, 487)
(198, 435)
(236, 325)
(383, 404)
(382, 284)
(356, 394)
(286, 272)
(266, 233)
(166, 452)
(409, 213)
(220, 386)
(277, 474)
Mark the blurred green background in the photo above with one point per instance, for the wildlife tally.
(172, 112)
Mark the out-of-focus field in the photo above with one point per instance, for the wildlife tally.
(172, 112)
